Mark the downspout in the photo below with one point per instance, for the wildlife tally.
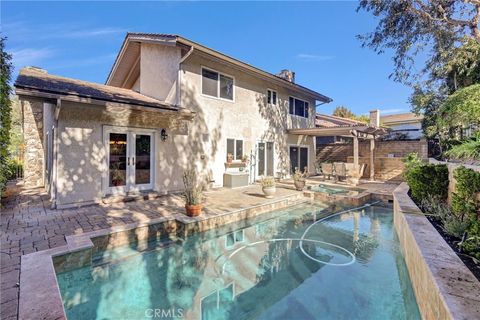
(55, 155)
(179, 78)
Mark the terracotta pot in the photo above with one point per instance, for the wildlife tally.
(193, 210)
(299, 184)
(229, 158)
(269, 192)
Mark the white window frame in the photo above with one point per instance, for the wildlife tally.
(304, 101)
(257, 176)
(276, 96)
(234, 147)
(129, 131)
(234, 238)
(218, 84)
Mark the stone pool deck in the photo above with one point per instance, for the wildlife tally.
(29, 225)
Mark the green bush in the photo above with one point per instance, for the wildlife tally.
(427, 180)
(464, 202)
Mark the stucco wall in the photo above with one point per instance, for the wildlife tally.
(82, 165)
(248, 117)
(159, 71)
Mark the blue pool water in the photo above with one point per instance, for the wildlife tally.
(293, 265)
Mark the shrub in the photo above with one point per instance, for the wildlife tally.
(427, 180)
(464, 202)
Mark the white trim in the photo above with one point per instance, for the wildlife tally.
(276, 100)
(234, 147)
(296, 115)
(257, 176)
(131, 133)
(218, 85)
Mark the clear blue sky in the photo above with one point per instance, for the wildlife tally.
(314, 39)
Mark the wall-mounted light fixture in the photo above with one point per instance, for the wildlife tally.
(163, 135)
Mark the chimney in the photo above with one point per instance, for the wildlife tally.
(375, 118)
(287, 75)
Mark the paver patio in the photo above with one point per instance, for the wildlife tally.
(28, 224)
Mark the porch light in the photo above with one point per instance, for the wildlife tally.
(163, 135)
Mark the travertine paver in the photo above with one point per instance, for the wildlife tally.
(28, 224)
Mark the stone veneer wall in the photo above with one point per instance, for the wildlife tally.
(32, 111)
(443, 286)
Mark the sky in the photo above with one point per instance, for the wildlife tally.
(317, 40)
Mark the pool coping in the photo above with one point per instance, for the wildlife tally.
(39, 294)
(444, 287)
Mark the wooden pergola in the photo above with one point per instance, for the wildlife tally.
(356, 132)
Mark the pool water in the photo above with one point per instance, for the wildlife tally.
(336, 190)
(294, 265)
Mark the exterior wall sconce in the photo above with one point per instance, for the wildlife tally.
(163, 135)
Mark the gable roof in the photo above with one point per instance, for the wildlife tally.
(172, 39)
(38, 80)
(327, 121)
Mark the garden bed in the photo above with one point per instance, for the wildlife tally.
(469, 261)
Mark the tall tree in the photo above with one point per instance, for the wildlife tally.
(5, 111)
(343, 112)
(409, 27)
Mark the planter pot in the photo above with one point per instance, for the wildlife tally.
(269, 192)
(299, 184)
(193, 210)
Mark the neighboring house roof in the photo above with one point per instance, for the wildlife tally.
(327, 121)
(401, 118)
(171, 39)
(37, 80)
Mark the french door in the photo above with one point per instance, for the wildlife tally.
(298, 158)
(265, 159)
(130, 160)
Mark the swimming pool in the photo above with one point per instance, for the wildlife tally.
(294, 265)
(336, 190)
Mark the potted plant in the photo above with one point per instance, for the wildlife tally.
(193, 194)
(244, 159)
(299, 179)
(268, 186)
(229, 158)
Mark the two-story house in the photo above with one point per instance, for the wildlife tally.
(169, 104)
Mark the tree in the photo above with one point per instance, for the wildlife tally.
(343, 112)
(5, 111)
(460, 110)
(410, 26)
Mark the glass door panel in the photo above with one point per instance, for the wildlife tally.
(303, 159)
(117, 160)
(261, 158)
(270, 158)
(142, 159)
(293, 159)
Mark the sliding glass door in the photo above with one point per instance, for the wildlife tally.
(265, 159)
(298, 158)
(130, 157)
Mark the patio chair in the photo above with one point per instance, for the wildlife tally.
(327, 170)
(340, 170)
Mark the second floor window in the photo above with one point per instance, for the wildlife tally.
(217, 85)
(272, 97)
(298, 107)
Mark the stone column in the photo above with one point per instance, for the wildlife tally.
(355, 152)
(372, 159)
(33, 140)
